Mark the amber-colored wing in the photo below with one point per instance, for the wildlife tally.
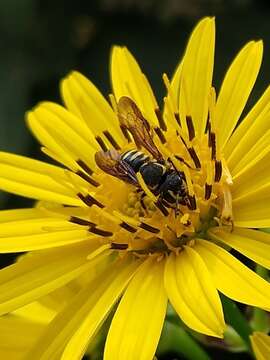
(111, 163)
(131, 118)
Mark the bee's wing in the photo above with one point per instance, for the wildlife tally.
(111, 163)
(131, 118)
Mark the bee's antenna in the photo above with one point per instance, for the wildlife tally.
(171, 162)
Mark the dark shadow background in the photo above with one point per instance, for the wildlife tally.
(42, 40)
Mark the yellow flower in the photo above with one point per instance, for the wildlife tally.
(150, 244)
(261, 345)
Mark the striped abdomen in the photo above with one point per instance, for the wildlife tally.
(135, 159)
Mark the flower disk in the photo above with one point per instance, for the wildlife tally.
(145, 208)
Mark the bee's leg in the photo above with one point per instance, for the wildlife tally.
(159, 204)
(179, 158)
(142, 203)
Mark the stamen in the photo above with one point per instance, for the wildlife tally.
(127, 227)
(126, 134)
(213, 146)
(149, 228)
(85, 167)
(80, 221)
(100, 232)
(88, 178)
(192, 202)
(177, 118)
(160, 135)
(194, 157)
(116, 246)
(89, 200)
(101, 143)
(207, 191)
(190, 126)
(218, 170)
(226, 213)
(161, 120)
(208, 125)
(111, 139)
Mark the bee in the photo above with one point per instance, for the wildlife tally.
(159, 174)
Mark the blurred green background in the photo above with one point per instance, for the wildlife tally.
(41, 41)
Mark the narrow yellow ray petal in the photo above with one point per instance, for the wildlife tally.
(249, 131)
(64, 129)
(35, 179)
(232, 278)
(18, 334)
(84, 99)
(22, 214)
(187, 280)
(197, 73)
(235, 89)
(253, 209)
(29, 235)
(128, 80)
(261, 345)
(81, 318)
(254, 176)
(253, 154)
(252, 243)
(35, 312)
(137, 323)
(37, 275)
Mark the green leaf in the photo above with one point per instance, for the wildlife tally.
(175, 339)
(236, 319)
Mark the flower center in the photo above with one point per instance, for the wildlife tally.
(162, 190)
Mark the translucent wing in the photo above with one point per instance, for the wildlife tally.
(131, 118)
(111, 163)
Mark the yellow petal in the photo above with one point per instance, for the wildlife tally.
(37, 233)
(36, 229)
(81, 318)
(235, 89)
(249, 131)
(35, 179)
(136, 326)
(84, 99)
(65, 133)
(171, 101)
(187, 280)
(254, 176)
(253, 209)
(35, 312)
(232, 278)
(261, 345)
(128, 80)
(38, 274)
(197, 73)
(252, 243)
(18, 335)
(253, 155)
